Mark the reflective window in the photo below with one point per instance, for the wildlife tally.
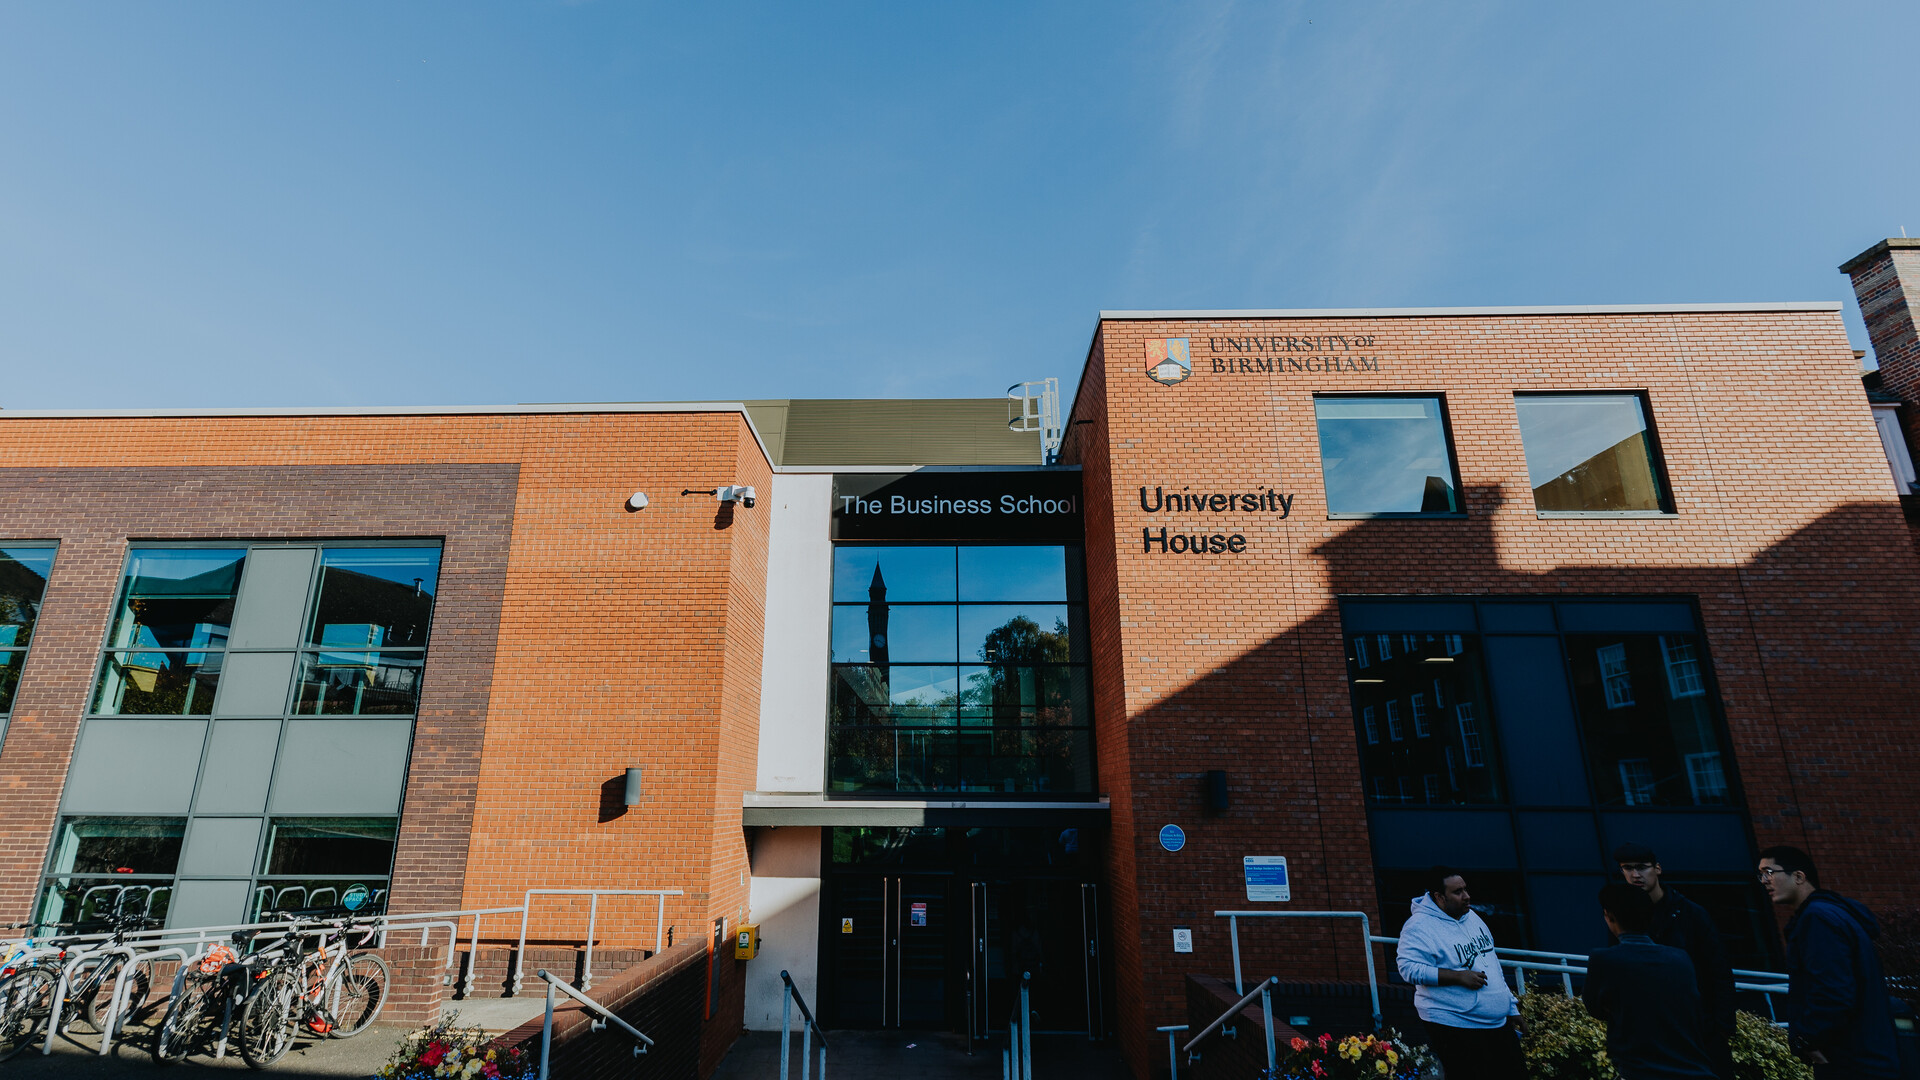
(169, 632)
(1425, 733)
(383, 683)
(1385, 454)
(978, 683)
(1650, 732)
(375, 597)
(104, 865)
(23, 581)
(325, 862)
(1590, 453)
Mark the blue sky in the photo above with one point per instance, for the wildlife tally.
(347, 204)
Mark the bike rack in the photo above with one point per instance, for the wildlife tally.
(118, 1001)
(60, 987)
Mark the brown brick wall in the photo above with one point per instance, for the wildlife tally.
(95, 511)
(1786, 533)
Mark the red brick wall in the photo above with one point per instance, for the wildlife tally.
(1786, 532)
(612, 639)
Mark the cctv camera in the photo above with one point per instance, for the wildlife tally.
(747, 496)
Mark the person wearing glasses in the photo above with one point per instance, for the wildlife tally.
(1838, 1014)
(1685, 925)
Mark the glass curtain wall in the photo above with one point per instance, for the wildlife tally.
(363, 613)
(959, 668)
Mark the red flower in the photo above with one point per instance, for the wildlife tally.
(1383, 1046)
(435, 1052)
(1325, 1040)
(1319, 1069)
(490, 1070)
(1298, 1044)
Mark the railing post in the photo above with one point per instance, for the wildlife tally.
(786, 1027)
(520, 951)
(593, 916)
(806, 1052)
(1373, 981)
(546, 1034)
(1266, 1010)
(1233, 928)
(660, 923)
(1026, 1028)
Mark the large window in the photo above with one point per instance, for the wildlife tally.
(23, 581)
(959, 668)
(169, 632)
(1591, 454)
(104, 865)
(325, 862)
(240, 685)
(1650, 733)
(1386, 455)
(1426, 734)
(1522, 738)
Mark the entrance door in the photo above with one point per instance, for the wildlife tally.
(890, 950)
(1048, 930)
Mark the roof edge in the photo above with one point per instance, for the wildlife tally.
(1879, 249)
(1412, 312)
(401, 410)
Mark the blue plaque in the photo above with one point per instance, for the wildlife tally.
(1172, 838)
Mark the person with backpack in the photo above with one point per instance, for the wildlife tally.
(1839, 1016)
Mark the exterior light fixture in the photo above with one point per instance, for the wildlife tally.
(740, 493)
(1369, 680)
(637, 501)
(633, 787)
(1438, 660)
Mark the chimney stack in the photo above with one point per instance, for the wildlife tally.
(1886, 282)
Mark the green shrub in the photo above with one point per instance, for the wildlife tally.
(1564, 1042)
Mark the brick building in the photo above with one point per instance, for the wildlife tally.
(1359, 590)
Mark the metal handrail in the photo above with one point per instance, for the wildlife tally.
(546, 1027)
(807, 1033)
(1173, 1060)
(1366, 935)
(1571, 964)
(1266, 986)
(593, 913)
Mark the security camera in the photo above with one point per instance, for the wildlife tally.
(746, 496)
(740, 493)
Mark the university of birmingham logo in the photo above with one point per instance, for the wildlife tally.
(1168, 361)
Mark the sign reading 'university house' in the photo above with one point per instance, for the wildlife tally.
(1027, 505)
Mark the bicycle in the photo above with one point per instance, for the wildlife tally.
(336, 996)
(209, 987)
(33, 974)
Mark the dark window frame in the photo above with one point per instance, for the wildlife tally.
(1439, 397)
(1655, 450)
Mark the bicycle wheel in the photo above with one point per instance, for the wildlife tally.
(356, 993)
(26, 1002)
(180, 1027)
(139, 985)
(266, 1024)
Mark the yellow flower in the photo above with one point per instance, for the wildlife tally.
(472, 1067)
(1393, 1058)
(1380, 1067)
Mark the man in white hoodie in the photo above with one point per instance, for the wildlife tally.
(1446, 952)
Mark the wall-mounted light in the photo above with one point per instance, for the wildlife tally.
(637, 501)
(740, 493)
(633, 787)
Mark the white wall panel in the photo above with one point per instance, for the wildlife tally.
(793, 672)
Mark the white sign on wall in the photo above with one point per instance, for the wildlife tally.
(1267, 878)
(1182, 939)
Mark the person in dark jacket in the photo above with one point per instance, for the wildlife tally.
(1646, 993)
(1685, 925)
(1838, 1013)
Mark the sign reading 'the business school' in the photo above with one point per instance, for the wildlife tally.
(1032, 504)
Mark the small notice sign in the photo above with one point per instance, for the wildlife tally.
(918, 914)
(1267, 878)
(846, 926)
(1173, 838)
(1182, 939)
